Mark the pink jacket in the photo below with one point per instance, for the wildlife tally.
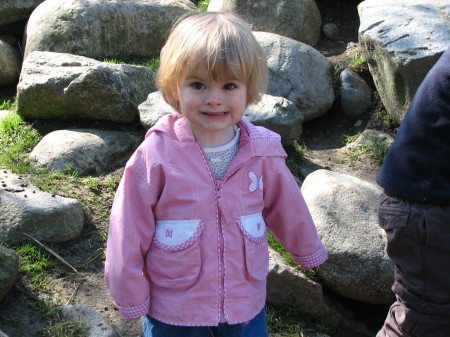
(188, 250)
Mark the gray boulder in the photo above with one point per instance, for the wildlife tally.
(344, 209)
(298, 73)
(10, 64)
(401, 41)
(95, 325)
(16, 10)
(356, 95)
(331, 31)
(26, 209)
(279, 115)
(9, 266)
(287, 286)
(102, 28)
(298, 19)
(66, 86)
(153, 109)
(89, 151)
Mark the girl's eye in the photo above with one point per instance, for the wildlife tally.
(197, 85)
(229, 86)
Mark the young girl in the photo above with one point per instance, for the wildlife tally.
(187, 246)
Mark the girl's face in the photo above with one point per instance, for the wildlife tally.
(211, 107)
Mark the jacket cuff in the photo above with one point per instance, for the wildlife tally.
(314, 260)
(130, 313)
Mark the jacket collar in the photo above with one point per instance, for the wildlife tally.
(255, 141)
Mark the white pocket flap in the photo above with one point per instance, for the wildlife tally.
(177, 234)
(253, 226)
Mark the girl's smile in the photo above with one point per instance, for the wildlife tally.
(212, 107)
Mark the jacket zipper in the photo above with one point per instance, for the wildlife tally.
(218, 192)
(218, 184)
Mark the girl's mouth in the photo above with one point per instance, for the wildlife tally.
(214, 114)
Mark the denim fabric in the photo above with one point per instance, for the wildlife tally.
(257, 327)
(418, 242)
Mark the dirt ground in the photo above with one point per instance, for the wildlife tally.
(324, 142)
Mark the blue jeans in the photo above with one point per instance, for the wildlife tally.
(257, 327)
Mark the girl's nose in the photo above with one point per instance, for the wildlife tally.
(213, 97)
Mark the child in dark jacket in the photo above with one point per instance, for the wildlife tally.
(415, 211)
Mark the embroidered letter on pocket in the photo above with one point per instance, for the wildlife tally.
(253, 227)
(177, 235)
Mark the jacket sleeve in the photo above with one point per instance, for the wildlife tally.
(289, 219)
(130, 235)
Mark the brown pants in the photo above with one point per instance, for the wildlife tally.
(418, 242)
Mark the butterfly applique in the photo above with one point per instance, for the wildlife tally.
(255, 182)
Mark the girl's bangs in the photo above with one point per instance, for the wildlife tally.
(219, 67)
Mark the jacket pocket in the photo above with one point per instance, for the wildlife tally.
(174, 259)
(254, 229)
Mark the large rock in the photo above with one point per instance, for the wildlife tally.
(9, 266)
(26, 209)
(104, 28)
(279, 115)
(356, 95)
(95, 325)
(298, 73)
(288, 287)
(10, 64)
(401, 41)
(153, 108)
(66, 86)
(344, 209)
(297, 19)
(89, 151)
(16, 10)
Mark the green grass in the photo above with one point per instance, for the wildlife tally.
(54, 324)
(358, 61)
(387, 120)
(35, 263)
(281, 322)
(375, 149)
(294, 160)
(7, 105)
(17, 139)
(203, 5)
(60, 327)
(276, 246)
(153, 63)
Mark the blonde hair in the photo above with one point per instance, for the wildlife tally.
(222, 42)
